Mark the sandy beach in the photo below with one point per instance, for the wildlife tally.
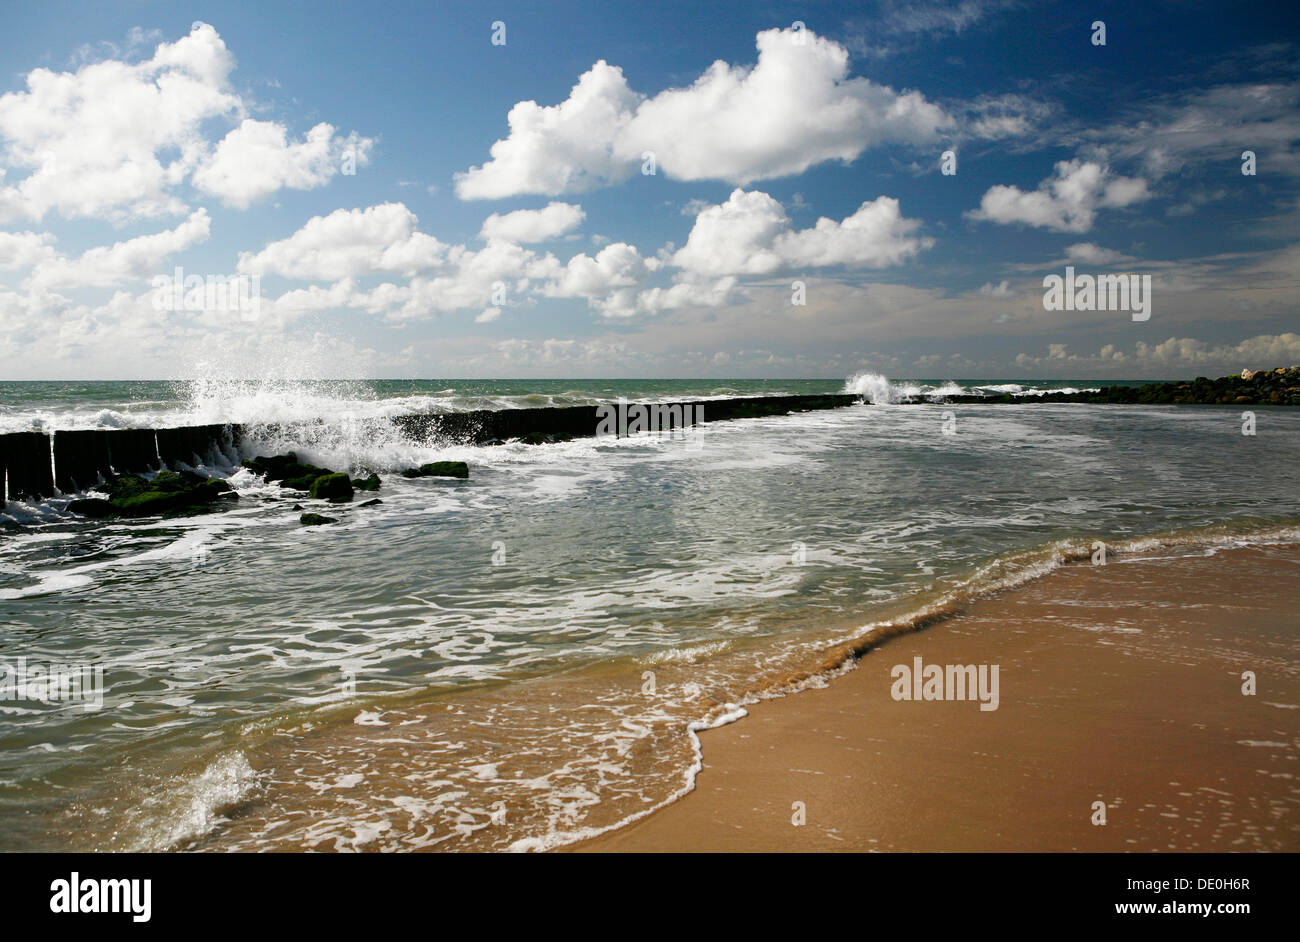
(1119, 684)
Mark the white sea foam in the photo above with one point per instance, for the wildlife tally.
(184, 808)
(879, 390)
(557, 838)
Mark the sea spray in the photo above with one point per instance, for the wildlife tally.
(876, 388)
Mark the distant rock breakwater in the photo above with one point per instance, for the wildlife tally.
(1278, 387)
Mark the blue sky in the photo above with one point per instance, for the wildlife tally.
(481, 235)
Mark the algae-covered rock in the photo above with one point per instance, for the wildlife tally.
(93, 507)
(286, 469)
(167, 493)
(302, 483)
(332, 487)
(149, 503)
(172, 497)
(370, 483)
(374, 501)
(315, 520)
(444, 469)
(450, 469)
(272, 467)
(124, 485)
(176, 482)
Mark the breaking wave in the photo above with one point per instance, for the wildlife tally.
(880, 391)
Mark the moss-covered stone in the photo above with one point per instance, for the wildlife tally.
(169, 492)
(286, 469)
(272, 467)
(124, 485)
(93, 507)
(315, 520)
(370, 483)
(332, 487)
(443, 469)
(151, 503)
(302, 483)
(173, 497)
(176, 482)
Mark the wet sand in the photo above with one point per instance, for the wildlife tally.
(1119, 684)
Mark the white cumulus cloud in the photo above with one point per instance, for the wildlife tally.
(109, 265)
(349, 243)
(564, 148)
(118, 140)
(533, 225)
(796, 107)
(1067, 201)
(750, 234)
(256, 159)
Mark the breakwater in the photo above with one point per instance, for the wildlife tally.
(35, 465)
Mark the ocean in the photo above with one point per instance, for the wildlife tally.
(523, 659)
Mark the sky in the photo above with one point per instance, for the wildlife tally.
(563, 190)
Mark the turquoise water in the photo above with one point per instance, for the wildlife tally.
(464, 666)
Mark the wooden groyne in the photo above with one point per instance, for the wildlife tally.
(35, 465)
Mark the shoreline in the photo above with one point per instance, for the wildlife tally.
(1118, 684)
